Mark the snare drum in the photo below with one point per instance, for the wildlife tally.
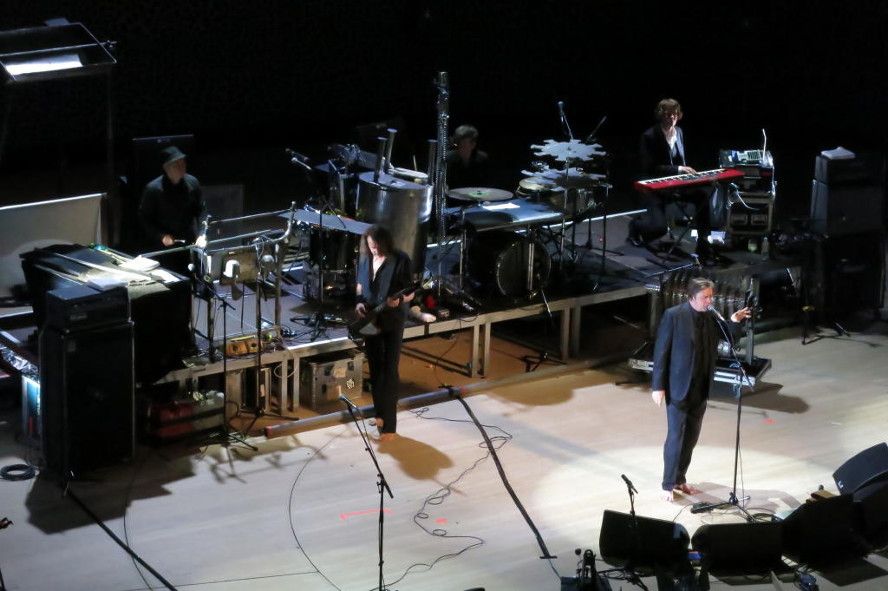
(501, 262)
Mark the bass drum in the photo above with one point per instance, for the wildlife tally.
(499, 261)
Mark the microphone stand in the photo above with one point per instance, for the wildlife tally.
(732, 496)
(629, 569)
(381, 482)
(226, 432)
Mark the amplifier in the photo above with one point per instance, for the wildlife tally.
(753, 216)
(726, 370)
(80, 307)
(322, 374)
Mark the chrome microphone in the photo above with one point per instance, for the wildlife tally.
(712, 309)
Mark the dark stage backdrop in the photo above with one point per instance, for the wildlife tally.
(251, 76)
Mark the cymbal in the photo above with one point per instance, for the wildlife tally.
(568, 151)
(536, 184)
(479, 194)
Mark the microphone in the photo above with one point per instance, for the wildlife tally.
(298, 159)
(564, 120)
(591, 138)
(628, 482)
(712, 309)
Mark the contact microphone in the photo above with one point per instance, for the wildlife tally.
(629, 484)
(343, 398)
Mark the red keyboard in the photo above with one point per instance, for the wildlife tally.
(681, 181)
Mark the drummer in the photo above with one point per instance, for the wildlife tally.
(467, 166)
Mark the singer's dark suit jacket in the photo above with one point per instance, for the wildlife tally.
(656, 158)
(674, 351)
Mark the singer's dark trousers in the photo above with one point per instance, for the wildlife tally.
(383, 355)
(683, 431)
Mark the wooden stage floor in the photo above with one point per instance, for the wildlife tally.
(301, 512)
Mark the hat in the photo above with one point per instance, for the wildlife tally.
(170, 154)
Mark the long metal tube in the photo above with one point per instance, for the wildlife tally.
(440, 186)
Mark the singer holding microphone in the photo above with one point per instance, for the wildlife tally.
(383, 271)
(684, 364)
(173, 210)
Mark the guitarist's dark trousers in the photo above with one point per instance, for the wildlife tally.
(383, 354)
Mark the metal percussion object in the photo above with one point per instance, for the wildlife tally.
(569, 151)
(410, 175)
(403, 207)
(479, 194)
(514, 265)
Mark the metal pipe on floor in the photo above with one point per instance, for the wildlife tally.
(439, 395)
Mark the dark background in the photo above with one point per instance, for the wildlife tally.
(249, 79)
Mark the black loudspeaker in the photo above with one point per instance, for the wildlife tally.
(822, 532)
(740, 547)
(840, 211)
(871, 502)
(866, 467)
(656, 543)
(848, 274)
(86, 392)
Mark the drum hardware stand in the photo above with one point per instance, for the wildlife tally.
(381, 482)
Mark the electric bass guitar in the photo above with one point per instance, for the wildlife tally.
(366, 326)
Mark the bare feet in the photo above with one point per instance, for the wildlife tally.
(387, 437)
(668, 495)
(687, 489)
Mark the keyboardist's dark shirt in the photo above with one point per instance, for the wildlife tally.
(657, 159)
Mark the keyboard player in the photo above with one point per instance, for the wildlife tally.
(662, 153)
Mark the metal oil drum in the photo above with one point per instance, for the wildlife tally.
(403, 207)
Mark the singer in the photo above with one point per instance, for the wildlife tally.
(662, 153)
(684, 364)
(383, 271)
(172, 210)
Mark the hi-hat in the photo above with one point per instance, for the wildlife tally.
(479, 194)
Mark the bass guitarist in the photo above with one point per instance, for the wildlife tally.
(382, 272)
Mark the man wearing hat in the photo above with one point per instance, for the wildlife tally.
(173, 210)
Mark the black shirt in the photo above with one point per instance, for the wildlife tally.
(391, 277)
(704, 329)
(474, 173)
(177, 210)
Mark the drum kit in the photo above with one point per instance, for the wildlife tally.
(516, 264)
(506, 262)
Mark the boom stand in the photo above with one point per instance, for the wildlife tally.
(381, 482)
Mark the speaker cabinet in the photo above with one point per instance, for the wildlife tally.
(740, 547)
(866, 467)
(86, 389)
(655, 543)
(871, 502)
(823, 532)
(840, 211)
(848, 274)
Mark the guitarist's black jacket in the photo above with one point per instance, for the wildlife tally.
(392, 277)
